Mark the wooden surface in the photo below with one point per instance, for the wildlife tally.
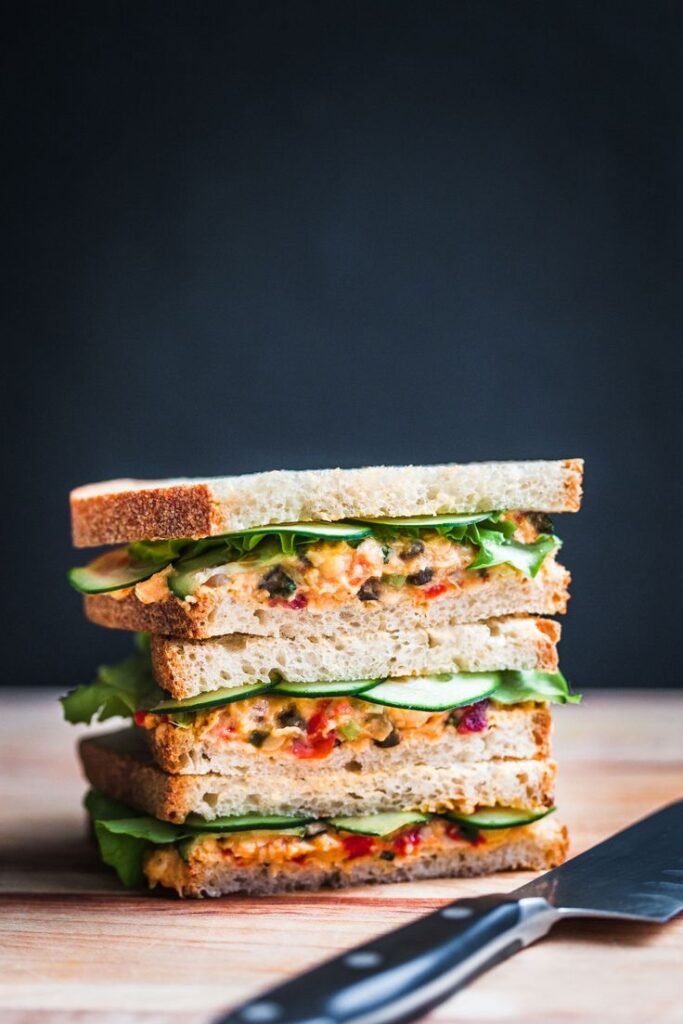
(75, 948)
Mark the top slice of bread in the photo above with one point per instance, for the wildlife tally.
(127, 510)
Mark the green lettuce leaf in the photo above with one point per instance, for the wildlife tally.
(118, 690)
(101, 807)
(492, 537)
(497, 550)
(519, 686)
(124, 837)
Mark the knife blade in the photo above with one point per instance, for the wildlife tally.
(636, 875)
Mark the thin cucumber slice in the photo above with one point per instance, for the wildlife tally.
(102, 575)
(183, 580)
(498, 817)
(426, 522)
(326, 531)
(204, 701)
(434, 693)
(379, 824)
(337, 688)
(245, 823)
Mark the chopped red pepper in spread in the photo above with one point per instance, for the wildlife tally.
(407, 841)
(298, 602)
(358, 846)
(474, 718)
(316, 746)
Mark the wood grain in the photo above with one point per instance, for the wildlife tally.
(76, 949)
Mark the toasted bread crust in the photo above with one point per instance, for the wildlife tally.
(127, 510)
(119, 765)
(184, 510)
(215, 614)
(186, 668)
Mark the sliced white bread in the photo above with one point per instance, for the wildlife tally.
(208, 871)
(521, 732)
(120, 765)
(126, 510)
(188, 667)
(213, 612)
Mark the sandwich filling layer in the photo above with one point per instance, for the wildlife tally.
(329, 851)
(387, 564)
(313, 729)
(191, 859)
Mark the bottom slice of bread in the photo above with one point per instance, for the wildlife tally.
(120, 765)
(213, 868)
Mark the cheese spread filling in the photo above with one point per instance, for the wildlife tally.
(328, 849)
(311, 728)
(325, 574)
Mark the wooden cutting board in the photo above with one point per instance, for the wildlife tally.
(75, 948)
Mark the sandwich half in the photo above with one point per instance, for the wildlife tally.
(334, 554)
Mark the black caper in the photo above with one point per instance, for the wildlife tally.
(277, 582)
(392, 740)
(418, 579)
(415, 549)
(540, 521)
(371, 589)
(289, 718)
(258, 738)
(387, 855)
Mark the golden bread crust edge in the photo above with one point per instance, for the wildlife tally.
(120, 766)
(203, 508)
(171, 669)
(177, 511)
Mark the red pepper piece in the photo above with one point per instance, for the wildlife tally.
(474, 719)
(358, 846)
(319, 746)
(407, 841)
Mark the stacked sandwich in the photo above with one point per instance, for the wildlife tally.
(340, 675)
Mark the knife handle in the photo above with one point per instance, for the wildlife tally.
(403, 974)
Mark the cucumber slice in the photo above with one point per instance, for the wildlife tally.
(325, 531)
(182, 581)
(379, 824)
(425, 522)
(204, 701)
(245, 823)
(337, 688)
(434, 693)
(103, 575)
(498, 817)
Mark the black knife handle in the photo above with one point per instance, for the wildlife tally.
(403, 974)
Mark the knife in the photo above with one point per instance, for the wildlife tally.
(637, 875)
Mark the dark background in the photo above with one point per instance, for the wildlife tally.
(282, 234)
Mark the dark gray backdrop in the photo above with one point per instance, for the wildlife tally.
(262, 234)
